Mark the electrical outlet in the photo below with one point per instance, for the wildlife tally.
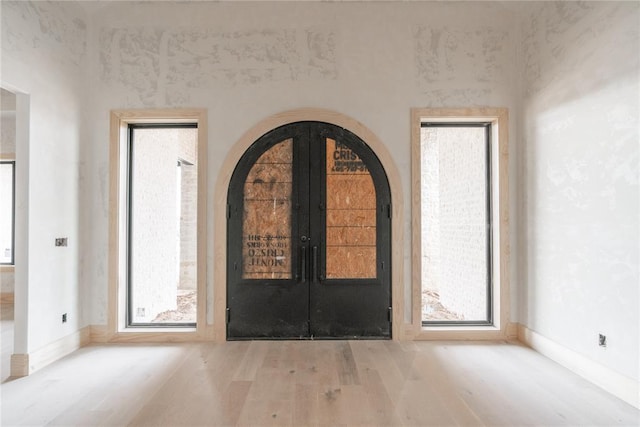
(64, 317)
(61, 241)
(602, 340)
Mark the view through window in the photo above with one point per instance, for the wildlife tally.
(456, 219)
(7, 187)
(162, 282)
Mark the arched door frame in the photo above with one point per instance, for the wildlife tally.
(220, 207)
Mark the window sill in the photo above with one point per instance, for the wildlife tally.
(155, 335)
(461, 333)
(7, 268)
(460, 328)
(171, 330)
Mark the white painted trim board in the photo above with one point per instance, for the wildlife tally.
(626, 389)
(50, 353)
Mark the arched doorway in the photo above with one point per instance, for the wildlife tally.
(309, 237)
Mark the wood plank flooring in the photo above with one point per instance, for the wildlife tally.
(309, 383)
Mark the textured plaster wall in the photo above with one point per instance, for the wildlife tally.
(188, 212)
(247, 61)
(188, 226)
(430, 209)
(580, 251)
(43, 51)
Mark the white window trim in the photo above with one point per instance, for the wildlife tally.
(498, 117)
(116, 327)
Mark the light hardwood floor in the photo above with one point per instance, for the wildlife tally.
(298, 383)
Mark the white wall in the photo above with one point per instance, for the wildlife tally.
(43, 48)
(580, 179)
(247, 61)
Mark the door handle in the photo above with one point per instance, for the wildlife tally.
(314, 264)
(303, 264)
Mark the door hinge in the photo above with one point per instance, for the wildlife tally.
(228, 315)
(390, 311)
(228, 211)
(389, 211)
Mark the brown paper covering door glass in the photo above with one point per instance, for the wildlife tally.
(266, 222)
(351, 215)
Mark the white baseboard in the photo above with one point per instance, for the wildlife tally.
(611, 381)
(27, 364)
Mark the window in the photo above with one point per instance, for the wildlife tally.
(162, 187)
(158, 221)
(456, 223)
(460, 220)
(7, 209)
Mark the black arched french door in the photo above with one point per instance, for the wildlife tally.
(309, 237)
